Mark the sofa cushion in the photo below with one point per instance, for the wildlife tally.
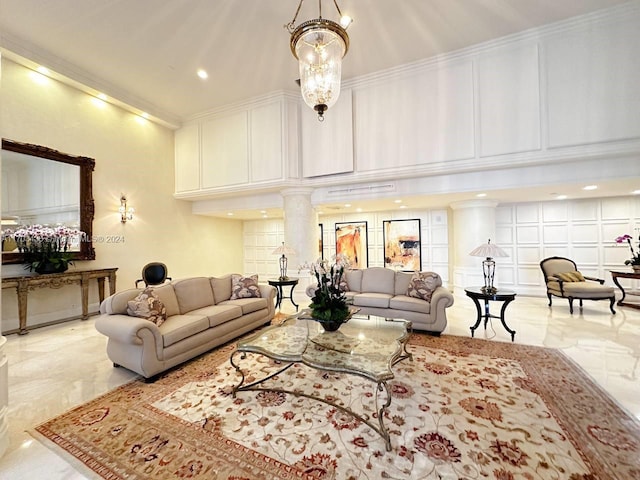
(402, 282)
(221, 288)
(248, 305)
(167, 295)
(378, 280)
(354, 280)
(244, 287)
(411, 304)
(218, 314)
(179, 327)
(587, 290)
(378, 300)
(193, 293)
(570, 276)
(423, 284)
(147, 305)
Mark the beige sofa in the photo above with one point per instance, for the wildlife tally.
(383, 292)
(200, 316)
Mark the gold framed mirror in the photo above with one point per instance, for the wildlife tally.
(36, 191)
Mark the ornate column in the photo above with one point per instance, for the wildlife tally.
(4, 397)
(300, 226)
(474, 222)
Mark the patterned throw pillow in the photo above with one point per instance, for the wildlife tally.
(343, 286)
(570, 277)
(422, 285)
(244, 287)
(147, 305)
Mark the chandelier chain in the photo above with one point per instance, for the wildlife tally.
(291, 26)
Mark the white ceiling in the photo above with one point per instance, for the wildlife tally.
(146, 52)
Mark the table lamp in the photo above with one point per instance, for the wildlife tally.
(488, 251)
(284, 251)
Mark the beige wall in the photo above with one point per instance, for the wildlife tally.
(133, 157)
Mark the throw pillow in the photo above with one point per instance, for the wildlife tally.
(422, 285)
(570, 276)
(343, 286)
(147, 305)
(244, 287)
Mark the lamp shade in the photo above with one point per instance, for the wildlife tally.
(283, 250)
(488, 250)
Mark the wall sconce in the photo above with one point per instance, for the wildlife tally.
(125, 213)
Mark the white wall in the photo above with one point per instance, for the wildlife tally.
(133, 156)
(583, 230)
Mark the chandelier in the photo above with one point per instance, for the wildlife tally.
(319, 46)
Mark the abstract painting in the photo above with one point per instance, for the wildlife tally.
(401, 240)
(351, 241)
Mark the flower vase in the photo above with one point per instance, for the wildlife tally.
(47, 267)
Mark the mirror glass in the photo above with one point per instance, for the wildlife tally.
(41, 186)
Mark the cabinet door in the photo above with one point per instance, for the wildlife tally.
(266, 143)
(187, 162)
(225, 158)
(327, 147)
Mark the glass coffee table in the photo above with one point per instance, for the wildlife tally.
(365, 346)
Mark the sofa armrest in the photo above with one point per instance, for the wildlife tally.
(594, 279)
(440, 299)
(269, 292)
(126, 329)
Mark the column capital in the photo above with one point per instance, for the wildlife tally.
(287, 192)
(476, 203)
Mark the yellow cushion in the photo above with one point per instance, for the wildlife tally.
(570, 276)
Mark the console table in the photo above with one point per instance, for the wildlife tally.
(633, 275)
(24, 283)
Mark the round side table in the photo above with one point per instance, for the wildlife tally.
(500, 295)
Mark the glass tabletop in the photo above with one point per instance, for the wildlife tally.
(365, 346)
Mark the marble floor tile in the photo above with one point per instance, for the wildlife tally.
(52, 369)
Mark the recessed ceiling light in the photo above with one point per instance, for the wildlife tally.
(230, 214)
(561, 197)
(358, 210)
(480, 195)
(403, 206)
(636, 192)
(265, 216)
(590, 187)
(397, 201)
(347, 205)
(43, 70)
(203, 74)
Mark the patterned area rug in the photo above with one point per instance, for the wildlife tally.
(461, 409)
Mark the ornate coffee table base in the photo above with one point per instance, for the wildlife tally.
(380, 387)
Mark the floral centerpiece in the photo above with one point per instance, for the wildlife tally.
(46, 249)
(329, 303)
(634, 261)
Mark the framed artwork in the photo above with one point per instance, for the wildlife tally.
(351, 241)
(401, 239)
(320, 240)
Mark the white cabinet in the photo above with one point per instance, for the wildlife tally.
(509, 96)
(419, 118)
(266, 143)
(187, 158)
(592, 78)
(225, 151)
(233, 148)
(327, 146)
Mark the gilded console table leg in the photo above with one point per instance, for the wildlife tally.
(112, 283)
(23, 291)
(84, 285)
(101, 288)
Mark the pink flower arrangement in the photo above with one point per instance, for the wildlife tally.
(635, 257)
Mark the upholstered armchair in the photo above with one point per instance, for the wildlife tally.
(565, 281)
